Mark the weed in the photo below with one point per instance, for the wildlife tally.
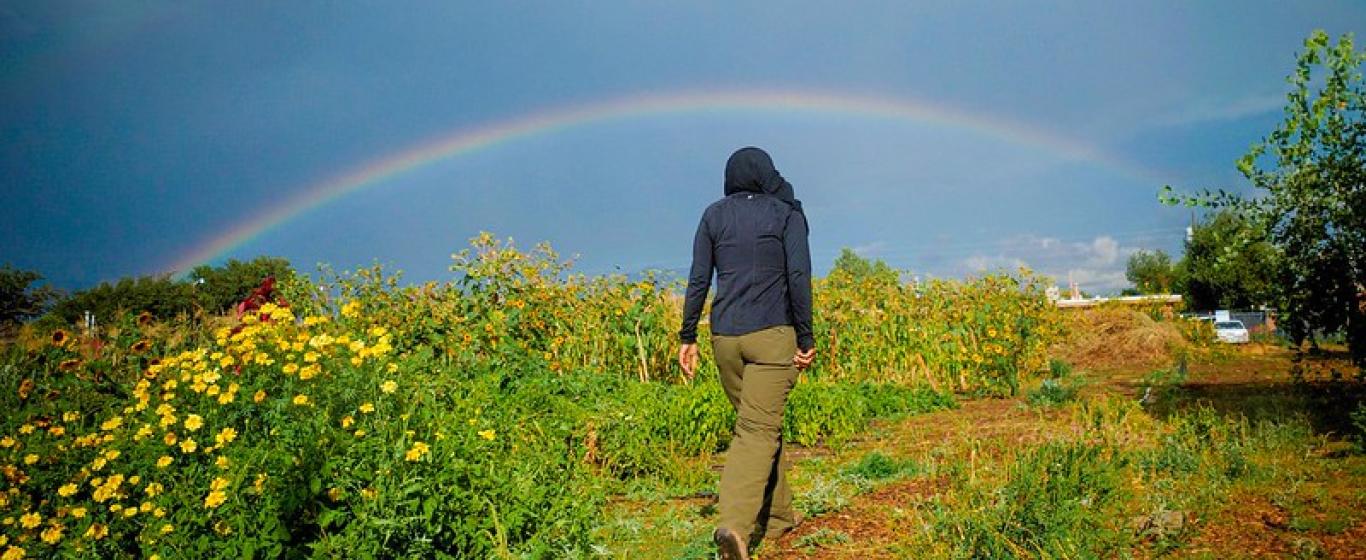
(822, 538)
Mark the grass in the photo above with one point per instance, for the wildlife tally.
(1226, 455)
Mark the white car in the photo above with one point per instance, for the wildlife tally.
(1232, 332)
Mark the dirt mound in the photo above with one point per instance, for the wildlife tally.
(1115, 337)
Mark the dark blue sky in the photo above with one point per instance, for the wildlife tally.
(134, 132)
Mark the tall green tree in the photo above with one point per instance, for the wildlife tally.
(21, 298)
(218, 289)
(161, 296)
(1153, 272)
(1229, 264)
(859, 268)
(1310, 180)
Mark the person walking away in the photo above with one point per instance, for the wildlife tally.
(755, 240)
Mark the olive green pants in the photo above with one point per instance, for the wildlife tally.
(757, 374)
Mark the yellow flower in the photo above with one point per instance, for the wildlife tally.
(66, 490)
(164, 461)
(367, 408)
(488, 434)
(7, 442)
(391, 368)
(221, 462)
(13, 553)
(169, 438)
(215, 499)
(167, 528)
(112, 424)
(30, 520)
(301, 399)
(98, 463)
(225, 436)
(153, 489)
(96, 531)
(346, 422)
(78, 513)
(388, 386)
(351, 309)
(417, 451)
(188, 446)
(30, 459)
(194, 422)
(52, 534)
(259, 396)
(291, 369)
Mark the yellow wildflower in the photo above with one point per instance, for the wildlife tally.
(225, 436)
(346, 421)
(417, 451)
(300, 399)
(388, 386)
(164, 461)
(30, 520)
(367, 408)
(188, 446)
(488, 434)
(52, 534)
(14, 552)
(66, 490)
(259, 396)
(215, 499)
(194, 422)
(96, 531)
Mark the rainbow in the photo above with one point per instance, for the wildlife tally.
(468, 140)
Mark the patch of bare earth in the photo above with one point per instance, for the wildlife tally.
(1254, 527)
(876, 517)
(876, 520)
(1250, 525)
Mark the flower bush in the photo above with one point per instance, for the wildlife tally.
(490, 415)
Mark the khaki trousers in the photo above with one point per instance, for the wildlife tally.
(757, 374)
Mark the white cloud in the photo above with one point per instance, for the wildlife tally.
(869, 250)
(1097, 265)
(1214, 110)
(1104, 251)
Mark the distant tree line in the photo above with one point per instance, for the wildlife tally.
(1227, 264)
(208, 289)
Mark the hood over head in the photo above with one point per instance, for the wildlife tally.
(751, 170)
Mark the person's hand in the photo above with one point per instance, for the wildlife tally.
(804, 358)
(687, 359)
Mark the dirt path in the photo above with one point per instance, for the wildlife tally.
(1321, 517)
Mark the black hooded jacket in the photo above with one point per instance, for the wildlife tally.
(755, 240)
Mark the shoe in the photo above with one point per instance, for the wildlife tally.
(729, 544)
